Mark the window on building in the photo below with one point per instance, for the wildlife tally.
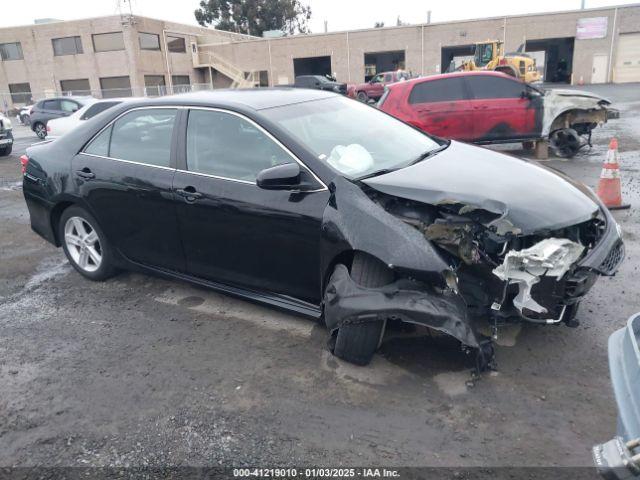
(11, 51)
(107, 42)
(447, 90)
(144, 136)
(20, 92)
(78, 86)
(181, 83)
(176, 44)
(67, 46)
(115, 87)
(149, 41)
(228, 146)
(154, 85)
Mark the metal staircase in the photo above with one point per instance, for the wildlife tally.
(239, 78)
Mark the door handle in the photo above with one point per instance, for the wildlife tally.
(85, 173)
(189, 194)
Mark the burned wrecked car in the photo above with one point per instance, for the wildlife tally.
(492, 107)
(321, 205)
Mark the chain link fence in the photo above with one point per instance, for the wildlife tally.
(11, 103)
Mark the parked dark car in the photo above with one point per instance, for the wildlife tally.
(492, 107)
(51, 108)
(319, 204)
(319, 82)
(619, 459)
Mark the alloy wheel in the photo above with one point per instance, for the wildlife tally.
(83, 244)
(41, 130)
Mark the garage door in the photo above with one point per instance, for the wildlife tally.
(627, 67)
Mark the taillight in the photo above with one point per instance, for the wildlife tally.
(23, 161)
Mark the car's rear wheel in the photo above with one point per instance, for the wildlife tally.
(357, 343)
(6, 150)
(363, 97)
(40, 130)
(85, 244)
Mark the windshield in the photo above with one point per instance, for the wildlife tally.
(351, 137)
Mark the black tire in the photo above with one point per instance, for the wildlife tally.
(565, 142)
(363, 97)
(107, 268)
(6, 150)
(358, 343)
(40, 130)
(528, 145)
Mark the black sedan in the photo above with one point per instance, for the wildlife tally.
(315, 203)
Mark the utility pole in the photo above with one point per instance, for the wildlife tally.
(582, 6)
(326, 26)
(429, 15)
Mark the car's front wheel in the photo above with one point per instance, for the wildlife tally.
(363, 97)
(40, 130)
(357, 343)
(85, 244)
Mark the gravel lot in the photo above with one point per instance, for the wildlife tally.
(144, 371)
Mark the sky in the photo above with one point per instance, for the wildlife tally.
(340, 14)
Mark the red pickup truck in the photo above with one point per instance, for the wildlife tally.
(374, 88)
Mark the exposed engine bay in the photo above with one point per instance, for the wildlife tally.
(497, 270)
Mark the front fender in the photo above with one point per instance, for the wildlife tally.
(352, 221)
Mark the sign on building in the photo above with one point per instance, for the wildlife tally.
(595, 27)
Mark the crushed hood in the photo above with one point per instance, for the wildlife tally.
(526, 195)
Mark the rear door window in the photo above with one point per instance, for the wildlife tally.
(51, 105)
(483, 87)
(445, 90)
(142, 136)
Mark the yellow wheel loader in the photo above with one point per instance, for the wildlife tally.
(490, 55)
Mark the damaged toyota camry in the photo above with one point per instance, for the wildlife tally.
(318, 204)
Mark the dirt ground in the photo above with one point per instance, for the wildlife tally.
(144, 371)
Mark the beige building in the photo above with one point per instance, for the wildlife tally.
(132, 55)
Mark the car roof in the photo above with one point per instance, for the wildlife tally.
(252, 98)
(442, 76)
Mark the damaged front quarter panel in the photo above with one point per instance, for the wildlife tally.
(565, 108)
(354, 222)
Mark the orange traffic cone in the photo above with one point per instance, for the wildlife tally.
(609, 187)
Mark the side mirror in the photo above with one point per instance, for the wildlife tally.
(280, 177)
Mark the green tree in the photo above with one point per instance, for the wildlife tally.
(253, 17)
